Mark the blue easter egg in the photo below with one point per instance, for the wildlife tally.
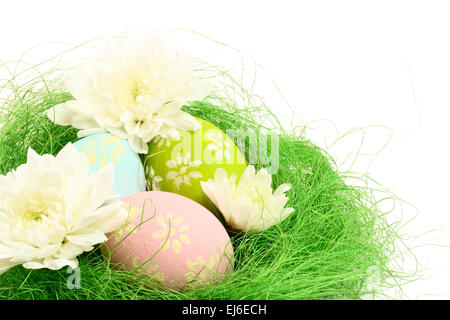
(104, 148)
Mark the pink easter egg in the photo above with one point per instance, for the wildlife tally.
(172, 239)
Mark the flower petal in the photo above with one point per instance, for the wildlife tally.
(5, 265)
(87, 237)
(250, 205)
(181, 120)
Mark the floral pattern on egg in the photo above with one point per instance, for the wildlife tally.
(173, 230)
(171, 239)
(104, 148)
(196, 267)
(182, 170)
(180, 165)
(221, 148)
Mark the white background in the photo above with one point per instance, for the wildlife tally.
(356, 63)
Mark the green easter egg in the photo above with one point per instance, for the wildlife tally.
(179, 166)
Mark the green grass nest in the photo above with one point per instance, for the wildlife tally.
(332, 247)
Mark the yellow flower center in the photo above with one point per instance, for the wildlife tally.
(136, 90)
(254, 195)
(34, 215)
(34, 205)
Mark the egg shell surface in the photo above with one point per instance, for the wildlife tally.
(172, 239)
(179, 166)
(104, 148)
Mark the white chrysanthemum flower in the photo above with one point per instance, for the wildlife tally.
(51, 210)
(135, 91)
(249, 205)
